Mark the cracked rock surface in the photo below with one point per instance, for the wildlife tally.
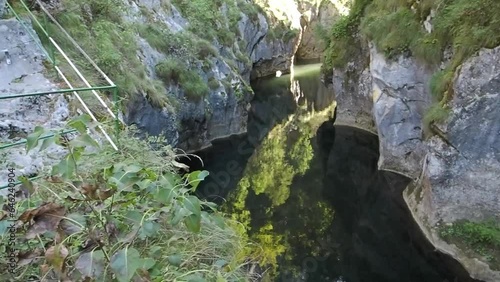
(400, 97)
(19, 116)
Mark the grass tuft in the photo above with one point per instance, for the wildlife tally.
(479, 238)
(173, 70)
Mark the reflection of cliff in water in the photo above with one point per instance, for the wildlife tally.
(375, 237)
(313, 198)
(274, 104)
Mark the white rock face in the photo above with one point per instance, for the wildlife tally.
(2, 7)
(400, 96)
(463, 183)
(19, 116)
(458, 181)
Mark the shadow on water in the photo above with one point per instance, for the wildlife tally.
(311, 196)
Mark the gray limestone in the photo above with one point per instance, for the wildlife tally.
(19, 116)
(452, 182)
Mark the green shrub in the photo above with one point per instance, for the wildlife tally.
(213, 83)
(175, 71)
(171, 70)
(205, 49)
(341, 39)
(435, 113)
(440, 83)
(121, 215)
(193, 85)
(393, 32)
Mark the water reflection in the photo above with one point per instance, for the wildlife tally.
(309, 193)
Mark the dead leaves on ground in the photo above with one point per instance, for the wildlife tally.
(55, 257)
(45, 218)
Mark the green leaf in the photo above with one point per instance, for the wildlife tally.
(180, 213)
(125, 262)
(32, 139)
(196, 177)
(144, 184)
(91, 264)
(165, 195)
(149, 229)
(195, 278)
(84, 140)
(147, 263)
(219, 221)
(125, 178)
(66, 167)
(4, 226)
(46, 143)
(80, 123)
(212, 206)
(193, 205)
(220, 278)
(193, 223)
(134, 217)
(155, 251)
(27, 183)
(175, 260)
(169, 180)
(220, 263)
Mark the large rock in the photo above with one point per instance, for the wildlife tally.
(270, 56)
(224, 111)
(388, 97)
(400, 95)
(19, 116)
(456, 178)
(3, 7)
(313, 17)
(352, 86)
(462, 182)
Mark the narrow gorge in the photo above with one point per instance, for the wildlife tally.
(337, 140)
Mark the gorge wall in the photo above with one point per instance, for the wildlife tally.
(267, 40)
(454, 161)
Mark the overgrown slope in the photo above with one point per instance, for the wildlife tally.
(126, 215)
(440, 33)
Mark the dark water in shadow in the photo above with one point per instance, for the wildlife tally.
(310, 194)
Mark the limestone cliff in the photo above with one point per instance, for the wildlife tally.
(456, 175)
(266, 43)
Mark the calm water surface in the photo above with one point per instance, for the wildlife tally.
(310, 193)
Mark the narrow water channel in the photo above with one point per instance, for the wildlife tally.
(310, 194)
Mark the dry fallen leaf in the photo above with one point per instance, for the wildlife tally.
(45, 217)
(55, 256)
(93, 192)
(44, 268)
(28, 215)
(25, 258)
(3, 214)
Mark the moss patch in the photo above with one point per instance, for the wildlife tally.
(174, 70)
(476, 238)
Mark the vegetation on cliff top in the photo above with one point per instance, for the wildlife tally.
(459, 27)
(111, 39)
(122, 215)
